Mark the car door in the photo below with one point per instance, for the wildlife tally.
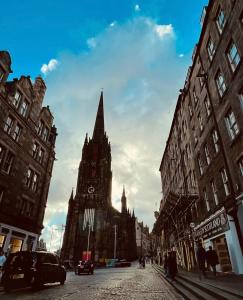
(46, 271)
(16, 271)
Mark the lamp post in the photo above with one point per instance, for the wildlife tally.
(115, 228)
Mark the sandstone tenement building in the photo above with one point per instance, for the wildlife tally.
(27, 142)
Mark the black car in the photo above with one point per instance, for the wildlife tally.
(84, 266)
(24, 268)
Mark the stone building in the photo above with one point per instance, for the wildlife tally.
(27, 142)
(92, 224)
(212, 108)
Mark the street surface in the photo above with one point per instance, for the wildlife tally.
(114, 283)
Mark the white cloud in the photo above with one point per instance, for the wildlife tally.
(46, 68)
(113, 24)
(141, 73)
(92, 42)
(163, 30)
(137, 7)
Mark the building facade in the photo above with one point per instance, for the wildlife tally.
(27, 142)
(94, 228)
(212, 113)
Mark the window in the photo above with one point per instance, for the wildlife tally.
(231, 125)
(26, 208)
(200, 77)
(194, 96)
(225, 181)
(24, 108)
(45, 134)
(17, 132)
(8, 125)
(35, 150)
(16, 99)
(200, 122)
(40, 127)
(233, 56)
(220, 82)
(190, 109)
(207, 106)
(29, 177)
(210, 48)
(207, 154)
(8, 163)
(241, 165)
(200, 165)
(2, 154)
(215, 140)
(215, 192)
(35, 182)
(40, 155)
(206, 200)
(220, 20)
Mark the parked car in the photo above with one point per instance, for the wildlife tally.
(122, 263)
(84, 266)
(24, 268)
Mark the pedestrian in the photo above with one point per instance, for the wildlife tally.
(166, 265)
(143, 262)
(212, 259)
(201, 259)
(172, 265)
(2, 261)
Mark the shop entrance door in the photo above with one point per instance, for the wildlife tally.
(221, 247)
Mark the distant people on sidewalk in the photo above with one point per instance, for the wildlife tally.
(142, 262)
(201, 259)
(212, 259)
(172, 265)
(166, 265)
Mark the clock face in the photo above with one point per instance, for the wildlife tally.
(91, 189)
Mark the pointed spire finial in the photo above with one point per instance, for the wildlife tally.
(71, 196)
(123, 192)
(99, 128)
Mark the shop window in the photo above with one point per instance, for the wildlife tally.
(15, 245)
(220, 20)
(233, 56)
(8, 124)
(225, 181)
(2, 240)
(231, 125)
(220, 83)
(7, 165)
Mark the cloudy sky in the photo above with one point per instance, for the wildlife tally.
(138, 52)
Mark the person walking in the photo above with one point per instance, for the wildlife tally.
(201, 259)
(212, 259)
(2, 261)
(172, 265)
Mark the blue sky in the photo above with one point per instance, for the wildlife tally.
(139, 52)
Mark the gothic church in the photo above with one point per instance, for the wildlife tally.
(93, 225)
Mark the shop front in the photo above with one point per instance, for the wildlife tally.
(13, 239)
(219, 232)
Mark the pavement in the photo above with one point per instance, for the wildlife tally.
(110, 284)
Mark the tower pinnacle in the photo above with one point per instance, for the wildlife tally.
(99, 128)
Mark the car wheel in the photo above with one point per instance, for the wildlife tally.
(62, 281)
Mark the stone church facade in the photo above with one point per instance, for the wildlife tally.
(92, 223)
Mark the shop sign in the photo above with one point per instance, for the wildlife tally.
(218, 224)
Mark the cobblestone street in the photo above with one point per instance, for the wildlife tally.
(124, 283)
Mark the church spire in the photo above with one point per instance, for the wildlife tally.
(99, 128)
(71, 196)
(123, 201)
